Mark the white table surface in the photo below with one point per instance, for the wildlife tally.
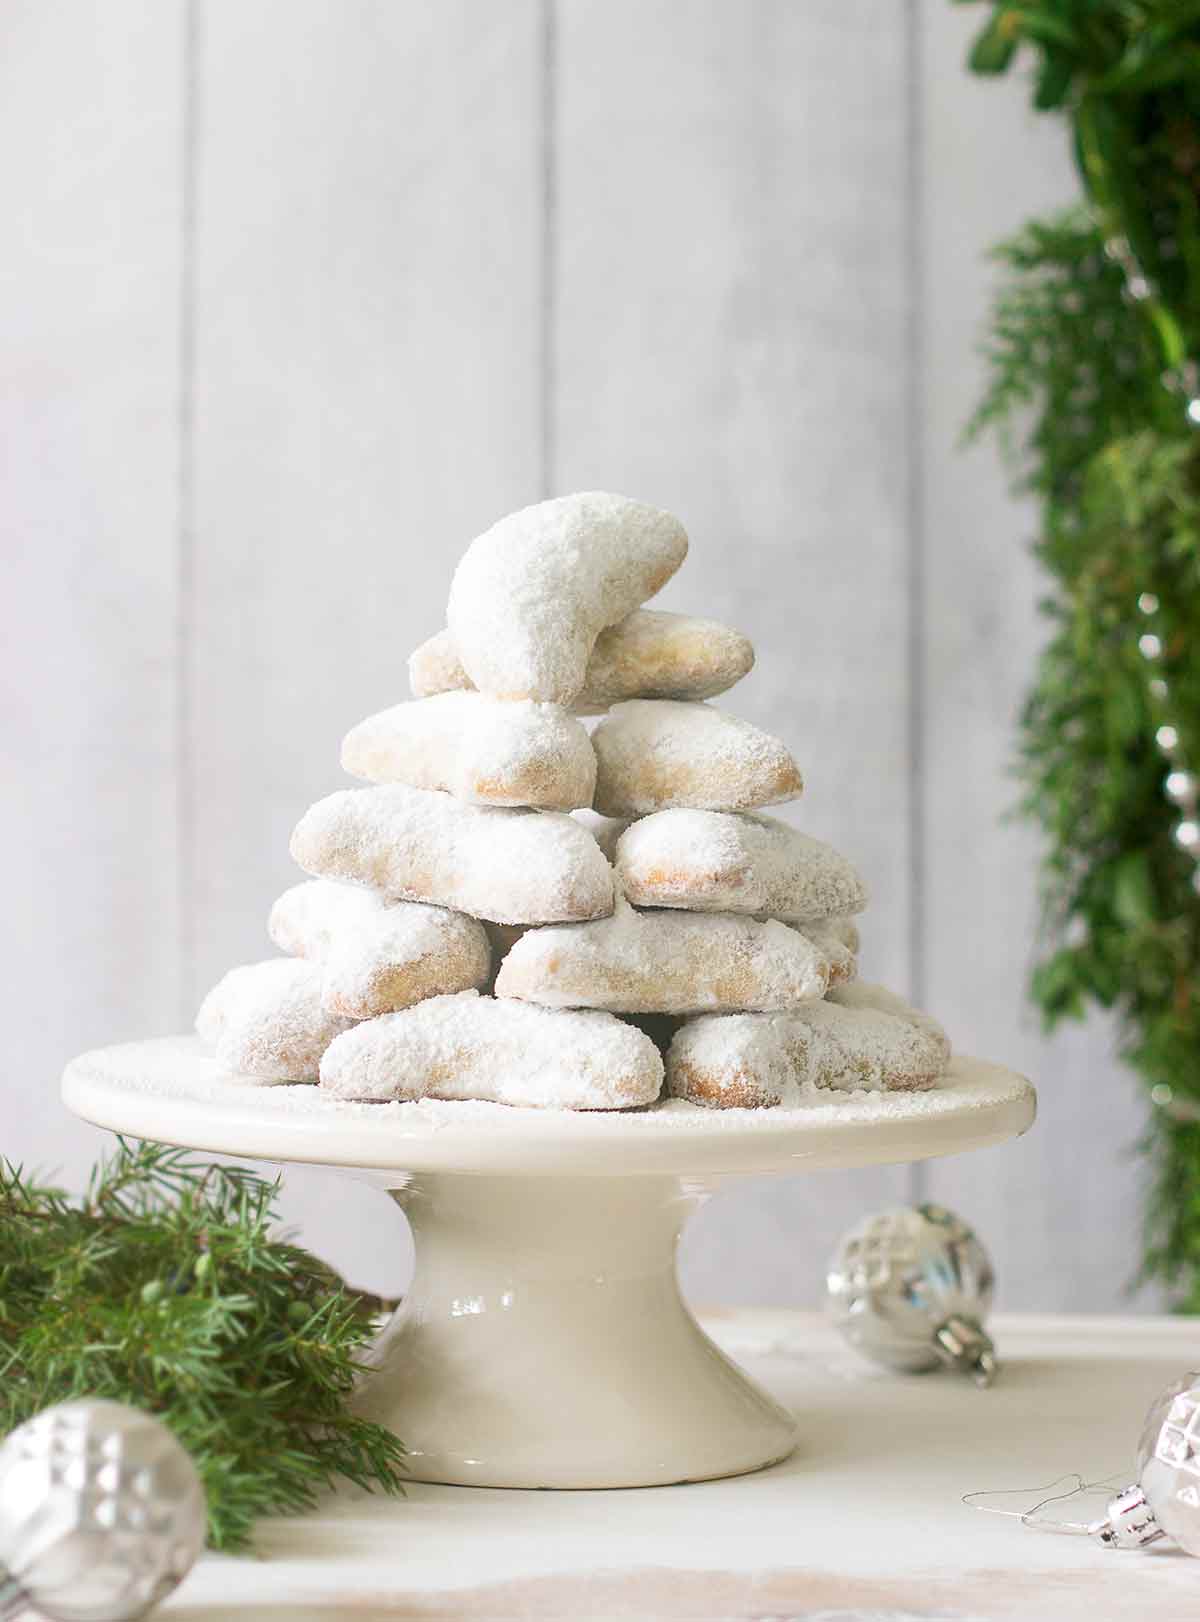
(863, 1524)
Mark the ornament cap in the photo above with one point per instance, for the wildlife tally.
(1130, 1522)
(963, 1344)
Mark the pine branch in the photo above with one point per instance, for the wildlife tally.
(1075, 387)
(164, 1287)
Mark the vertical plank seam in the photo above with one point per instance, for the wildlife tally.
(548, 314)
(185, 538)
(914, 185)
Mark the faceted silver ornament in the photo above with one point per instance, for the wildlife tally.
(1164, 1501)
(1168, 1465)
(910, 1288)
(101, 1513)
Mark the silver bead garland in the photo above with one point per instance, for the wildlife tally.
(1181, 785)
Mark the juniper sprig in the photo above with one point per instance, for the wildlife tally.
(165, 1286)
(1093, 356)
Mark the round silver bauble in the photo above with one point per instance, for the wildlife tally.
(910, 1289)
(1164, 1501)
(101, 1513)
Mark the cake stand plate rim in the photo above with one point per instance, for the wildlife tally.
(172, 1090)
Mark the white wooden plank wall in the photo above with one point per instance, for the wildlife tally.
(301, 296)
(91, 246)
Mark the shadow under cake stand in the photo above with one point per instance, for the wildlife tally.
(544, 1341)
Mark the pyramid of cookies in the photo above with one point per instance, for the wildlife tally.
(522, 911)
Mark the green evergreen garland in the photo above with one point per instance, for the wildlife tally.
(164, 1288)
(1092, 363)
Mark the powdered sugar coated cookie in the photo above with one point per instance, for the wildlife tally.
(653, 753)
(510, 867)
(267, 1020)
(844, 929)
(533, 593)
(435, 668)
(664, 962)
(831, 939)
(648, 654)
(306, 918)
(377, 956)
(507, 1052)
(864, 995)
(755, 1061)
(604, 830)
(652, 654)
(487, 751)
(718, 861)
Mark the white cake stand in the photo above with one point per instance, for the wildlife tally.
(544, 1342)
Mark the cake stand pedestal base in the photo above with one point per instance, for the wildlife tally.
(545, 1343)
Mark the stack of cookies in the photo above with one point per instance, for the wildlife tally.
(524, 911)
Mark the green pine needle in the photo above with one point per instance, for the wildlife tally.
(164, 1287)
(1075, 386)
(1093, 352)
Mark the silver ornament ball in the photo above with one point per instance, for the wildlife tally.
(1164, 1501)
(910, 1288)
(101, 1513)
(1168, 1462)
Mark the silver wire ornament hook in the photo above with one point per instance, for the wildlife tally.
(1077, 1487)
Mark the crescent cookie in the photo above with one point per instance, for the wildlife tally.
(718, 862)
(510, 867)
(654, 753)
(532, 594)
(604, 830)
(846, 931)
(832, 939)
(755, 1061)
(482, 750)
(377, 956)
(648, 654)
(664, 963)
(267, 1020)
(863, 994)
(470, 1046)
(434, 667)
